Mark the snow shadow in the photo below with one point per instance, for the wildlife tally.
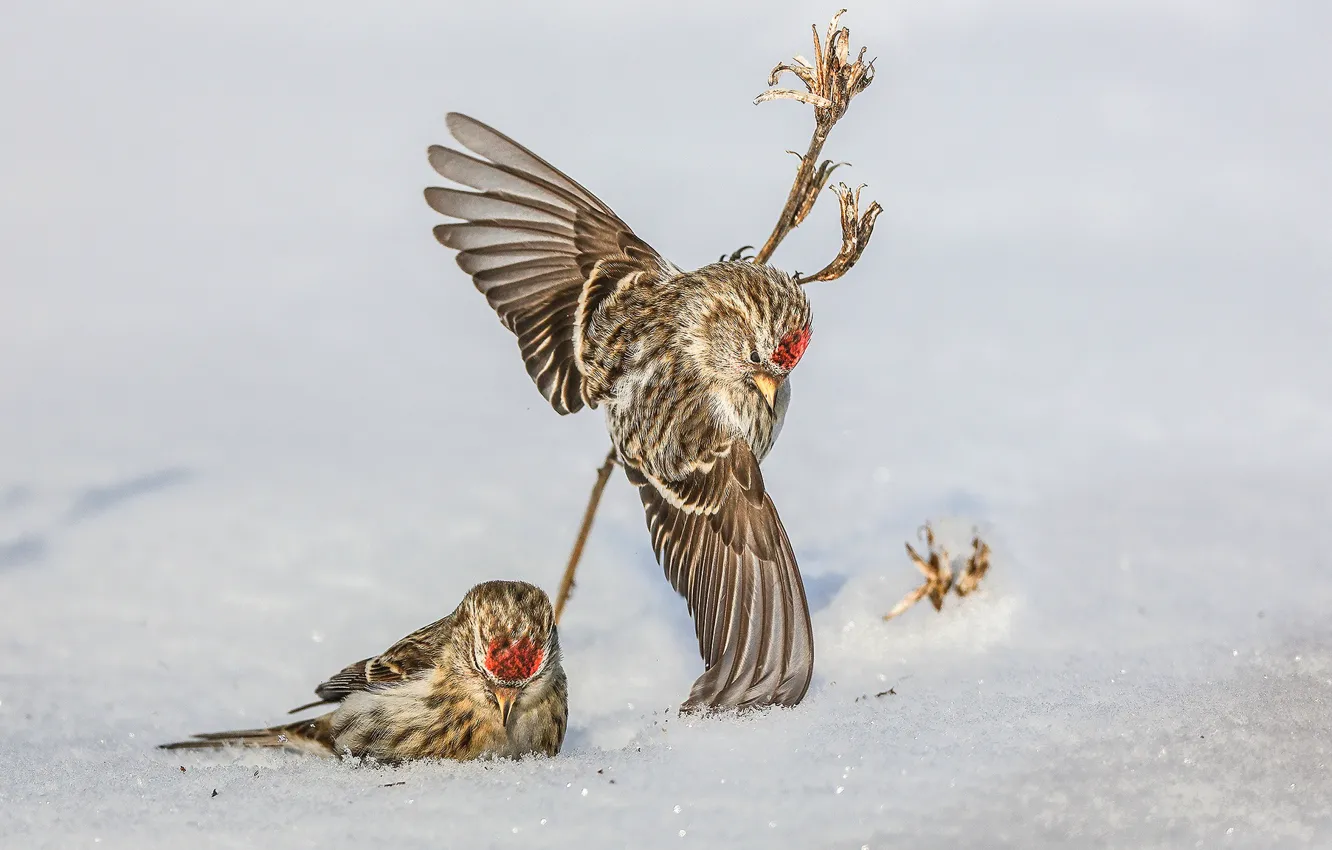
(15, 497)
(22, 551)
(32, 546)
(98, 500)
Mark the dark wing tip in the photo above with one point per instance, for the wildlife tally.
(564, 401)
(734, 565)
(298, 709)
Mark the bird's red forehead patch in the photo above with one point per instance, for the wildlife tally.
(511, 662)
(792, 348)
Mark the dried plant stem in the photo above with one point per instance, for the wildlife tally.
(593, 500)
(799, 196)
(831, 81)
(937, 568)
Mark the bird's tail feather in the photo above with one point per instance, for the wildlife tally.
(311, 736)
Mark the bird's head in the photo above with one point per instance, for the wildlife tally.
(751, 327)
(514, 642)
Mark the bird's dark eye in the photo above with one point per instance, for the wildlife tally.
(753, 357)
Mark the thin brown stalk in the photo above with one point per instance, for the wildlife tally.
(593, 500)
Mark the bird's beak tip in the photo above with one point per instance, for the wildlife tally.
(506, 697)
(767, 385)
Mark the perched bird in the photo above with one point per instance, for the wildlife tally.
(484, 681)
(691, 368)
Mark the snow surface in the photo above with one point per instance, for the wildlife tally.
(257, 425)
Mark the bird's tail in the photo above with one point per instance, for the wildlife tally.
(310, 736)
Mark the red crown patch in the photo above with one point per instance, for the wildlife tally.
(512, 662)
(792, 348)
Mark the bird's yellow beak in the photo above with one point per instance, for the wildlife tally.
(767, 385)
(506, 697)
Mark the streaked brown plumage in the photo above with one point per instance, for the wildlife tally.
(484, 681)
(691, 368)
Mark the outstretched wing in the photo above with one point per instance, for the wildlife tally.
(409, 656)
(543, 250)
(717, 535)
